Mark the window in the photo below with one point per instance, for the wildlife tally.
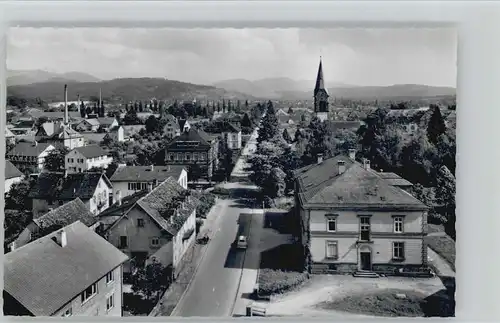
(171, 156)
(365, 228)
(155, 241)
(110, 277)
(195, 156)
(398, 224)
(89, 292)
(188, 156)
(68, 312)
(398, 250)
(331, 223)
(331, 250)
(140, 223)
(123, 242)
(110, 302)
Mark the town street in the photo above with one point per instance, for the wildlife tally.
(214, 288)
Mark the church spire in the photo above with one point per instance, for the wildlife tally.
(320, 82)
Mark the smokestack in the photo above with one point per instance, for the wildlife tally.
(66, 114)
(78, 102)
(341, 165)
(100, 98)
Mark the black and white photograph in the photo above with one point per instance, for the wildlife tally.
(230, 172)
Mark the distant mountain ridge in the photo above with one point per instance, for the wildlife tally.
(286, 88)
(25, 77)
(124, 90)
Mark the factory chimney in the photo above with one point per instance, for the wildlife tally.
(66, 114)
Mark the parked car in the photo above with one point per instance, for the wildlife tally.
(242, 242)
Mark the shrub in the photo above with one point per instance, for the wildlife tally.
(207, 200)
(277, 281)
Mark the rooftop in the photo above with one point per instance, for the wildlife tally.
(65, 215)
(91, 151)
(43, 276)
(11, 171)
(29, 149)
(146, 173)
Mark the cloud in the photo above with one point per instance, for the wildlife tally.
(356, 56)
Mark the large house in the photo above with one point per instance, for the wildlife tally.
(85, 158)
(172, 127)
(87, 125)
(28, 156)
(232, 135)
(194, 147)
(59, 134)
(128, 180)
(53, 189)
(354, 219)
(12, 175)
(159, 225)
(70, 272)
(60, 217)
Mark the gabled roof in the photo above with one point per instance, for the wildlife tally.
(91, 151)
(28, 149)
(92, 122)
(323, 185)
(43, 276)
(394, 179)
(126, 203)
(11, 171)
(57, 186)
(158, 199)
(107, 121)
(190, 140)
(65, 215)
(8, 133)
(146, 173)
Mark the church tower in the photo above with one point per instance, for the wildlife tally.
(320, 96)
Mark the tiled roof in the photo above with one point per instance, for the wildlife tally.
(321, 184)
(66, 214)
(394, 179)
(190, 140)
(43, 276)
(146, 174)
(55, 186)
(91, 151)
(92, 122)
(25, 124)
(158, 199)
(28, 149)
(106, 121)
(11, 171)
(127, 202)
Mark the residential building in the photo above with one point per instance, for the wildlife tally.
(10, 137)
(161, 224)
(172, 127)
(12, 175)
(232, 136)
(59, 217)
(352, 218)
(127, 180)
(53, 189)
(107, 123)
(87, 125)
(130, 131)
(70, 272)
(59, 134)
(116, 133)
(28, 156)
(24, 127)
(85, 158)
(321, 108)
(194, 147)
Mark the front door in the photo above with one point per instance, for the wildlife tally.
(366, 261)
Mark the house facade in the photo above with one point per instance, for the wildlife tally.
(53, 189)
(352, 219)
(37, 285)
(158, 225)
(29, 157)
(232, 135)
(87, 157)
(194, 148)
(12, 176)
(87, 125)
(128, 180)
(59, 134)
(117, 133)
(171, 128)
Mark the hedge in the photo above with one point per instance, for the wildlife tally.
(278, 281)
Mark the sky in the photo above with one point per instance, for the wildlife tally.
(356, 56)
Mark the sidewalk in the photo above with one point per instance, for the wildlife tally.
(175, 292)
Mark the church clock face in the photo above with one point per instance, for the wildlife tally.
(321, 96)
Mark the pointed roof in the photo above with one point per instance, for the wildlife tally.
(320, 82)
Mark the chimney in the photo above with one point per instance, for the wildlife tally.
(320, 158)
(35, 143)
(60, 238)
(341, 165)
(66, 114)
(352, 154)
(366, 164)
(119, 197)
(13, 246)
(152, 167)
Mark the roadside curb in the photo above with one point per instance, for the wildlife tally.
(196, 268)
